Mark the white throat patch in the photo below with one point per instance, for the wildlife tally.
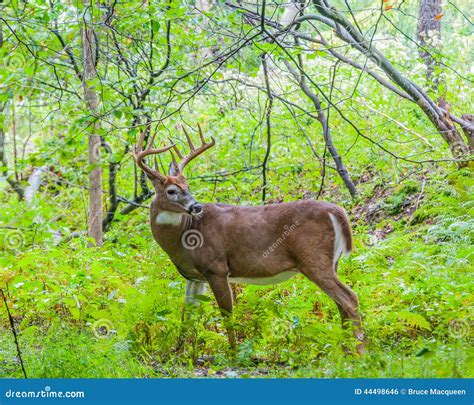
(169, 218)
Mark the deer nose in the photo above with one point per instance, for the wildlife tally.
(196, 208)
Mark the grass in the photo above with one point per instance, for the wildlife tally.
(115, 312)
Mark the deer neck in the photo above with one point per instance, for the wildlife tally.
(167, 222)
(176, 220)
(167, 228)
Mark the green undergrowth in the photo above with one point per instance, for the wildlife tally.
(116, 311)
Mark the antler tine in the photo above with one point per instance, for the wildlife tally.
(190, 143)
(139, 145)
(200, 134)
(139, 154)
(175, 148)
(154, 151)
(195, 152)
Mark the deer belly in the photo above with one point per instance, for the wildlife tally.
(277, 278)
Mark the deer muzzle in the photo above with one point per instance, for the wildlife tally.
(195, 209)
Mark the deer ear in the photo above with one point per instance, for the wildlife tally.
(173, 169)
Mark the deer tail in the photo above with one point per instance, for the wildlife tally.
(342, 233)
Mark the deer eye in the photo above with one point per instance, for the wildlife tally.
(171, 192)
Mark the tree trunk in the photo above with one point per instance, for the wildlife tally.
(428, 32)
(469, 132)
(89, 48)
(34, 183)
(459, 148)
(113, 198)
(3, 161)
(15, 185)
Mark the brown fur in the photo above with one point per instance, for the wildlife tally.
(178, 180)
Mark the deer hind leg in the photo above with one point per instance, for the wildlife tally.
(345, 299)
(344, 316)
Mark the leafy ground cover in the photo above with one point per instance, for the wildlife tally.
(116, 312)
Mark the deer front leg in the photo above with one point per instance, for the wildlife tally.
(223, 293)
(193, 289)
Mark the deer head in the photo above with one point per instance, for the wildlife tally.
(172, 190)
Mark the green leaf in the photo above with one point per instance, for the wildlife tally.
(155, 26)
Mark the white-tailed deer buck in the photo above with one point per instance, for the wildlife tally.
(218, 243)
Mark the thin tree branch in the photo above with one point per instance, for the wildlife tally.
(13, 329)
(268, 114)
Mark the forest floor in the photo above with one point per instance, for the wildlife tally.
(116, 312)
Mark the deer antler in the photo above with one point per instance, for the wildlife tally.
(139, 154)
(194, 152)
